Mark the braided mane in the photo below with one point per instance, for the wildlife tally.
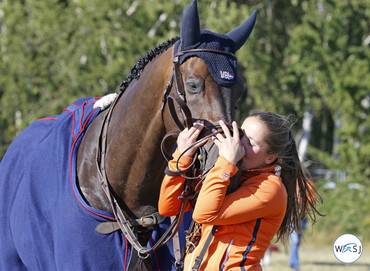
(142, 62)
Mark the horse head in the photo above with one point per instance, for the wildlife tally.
(209, 82)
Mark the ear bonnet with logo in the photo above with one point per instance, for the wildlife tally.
(222, 67)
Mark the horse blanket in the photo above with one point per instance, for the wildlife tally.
(45, 222)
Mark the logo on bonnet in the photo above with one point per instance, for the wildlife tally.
(226, 75)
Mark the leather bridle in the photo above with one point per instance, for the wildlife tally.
(180, 96)
(127, 225)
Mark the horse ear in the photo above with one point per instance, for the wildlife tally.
(240, 34)
(190, 28)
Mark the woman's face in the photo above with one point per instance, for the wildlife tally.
(256, 155)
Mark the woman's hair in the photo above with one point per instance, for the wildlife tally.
(302, 195)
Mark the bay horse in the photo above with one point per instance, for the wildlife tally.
(112, 158)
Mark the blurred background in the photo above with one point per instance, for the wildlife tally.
(308, 59)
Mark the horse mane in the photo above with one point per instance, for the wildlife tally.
(142, 62)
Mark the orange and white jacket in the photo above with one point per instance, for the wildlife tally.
(247, 219)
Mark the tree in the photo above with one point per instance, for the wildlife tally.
(53, 52)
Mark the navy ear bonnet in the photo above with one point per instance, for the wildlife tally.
(223, 68)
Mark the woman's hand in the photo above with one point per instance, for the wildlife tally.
(188, 136)
(229, 146)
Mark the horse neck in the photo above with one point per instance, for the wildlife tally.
(134, 162)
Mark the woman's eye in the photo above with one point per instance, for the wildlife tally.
(249, 142)
(246, 140)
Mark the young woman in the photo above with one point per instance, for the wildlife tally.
(264, 204)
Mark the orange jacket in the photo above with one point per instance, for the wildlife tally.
(247, 219)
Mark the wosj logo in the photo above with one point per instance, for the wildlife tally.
(347, 248)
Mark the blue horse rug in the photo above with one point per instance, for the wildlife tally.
(45, 223)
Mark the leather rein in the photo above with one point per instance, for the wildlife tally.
(128, 225)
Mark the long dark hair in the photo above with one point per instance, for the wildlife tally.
(302, 195)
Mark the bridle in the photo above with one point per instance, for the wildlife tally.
(127, 225)
(179, 97)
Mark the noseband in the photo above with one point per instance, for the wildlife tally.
(127, 225)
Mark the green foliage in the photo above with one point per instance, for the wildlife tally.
(347, 211)
(54, 52)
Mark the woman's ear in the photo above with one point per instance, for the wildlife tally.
(271, 158)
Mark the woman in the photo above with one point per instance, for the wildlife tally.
(264, 204)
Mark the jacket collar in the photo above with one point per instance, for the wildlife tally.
(270, 168)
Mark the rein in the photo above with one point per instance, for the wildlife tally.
(127, 225)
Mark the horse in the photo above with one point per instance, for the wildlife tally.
(80, 190)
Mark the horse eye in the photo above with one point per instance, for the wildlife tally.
(193, 86)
